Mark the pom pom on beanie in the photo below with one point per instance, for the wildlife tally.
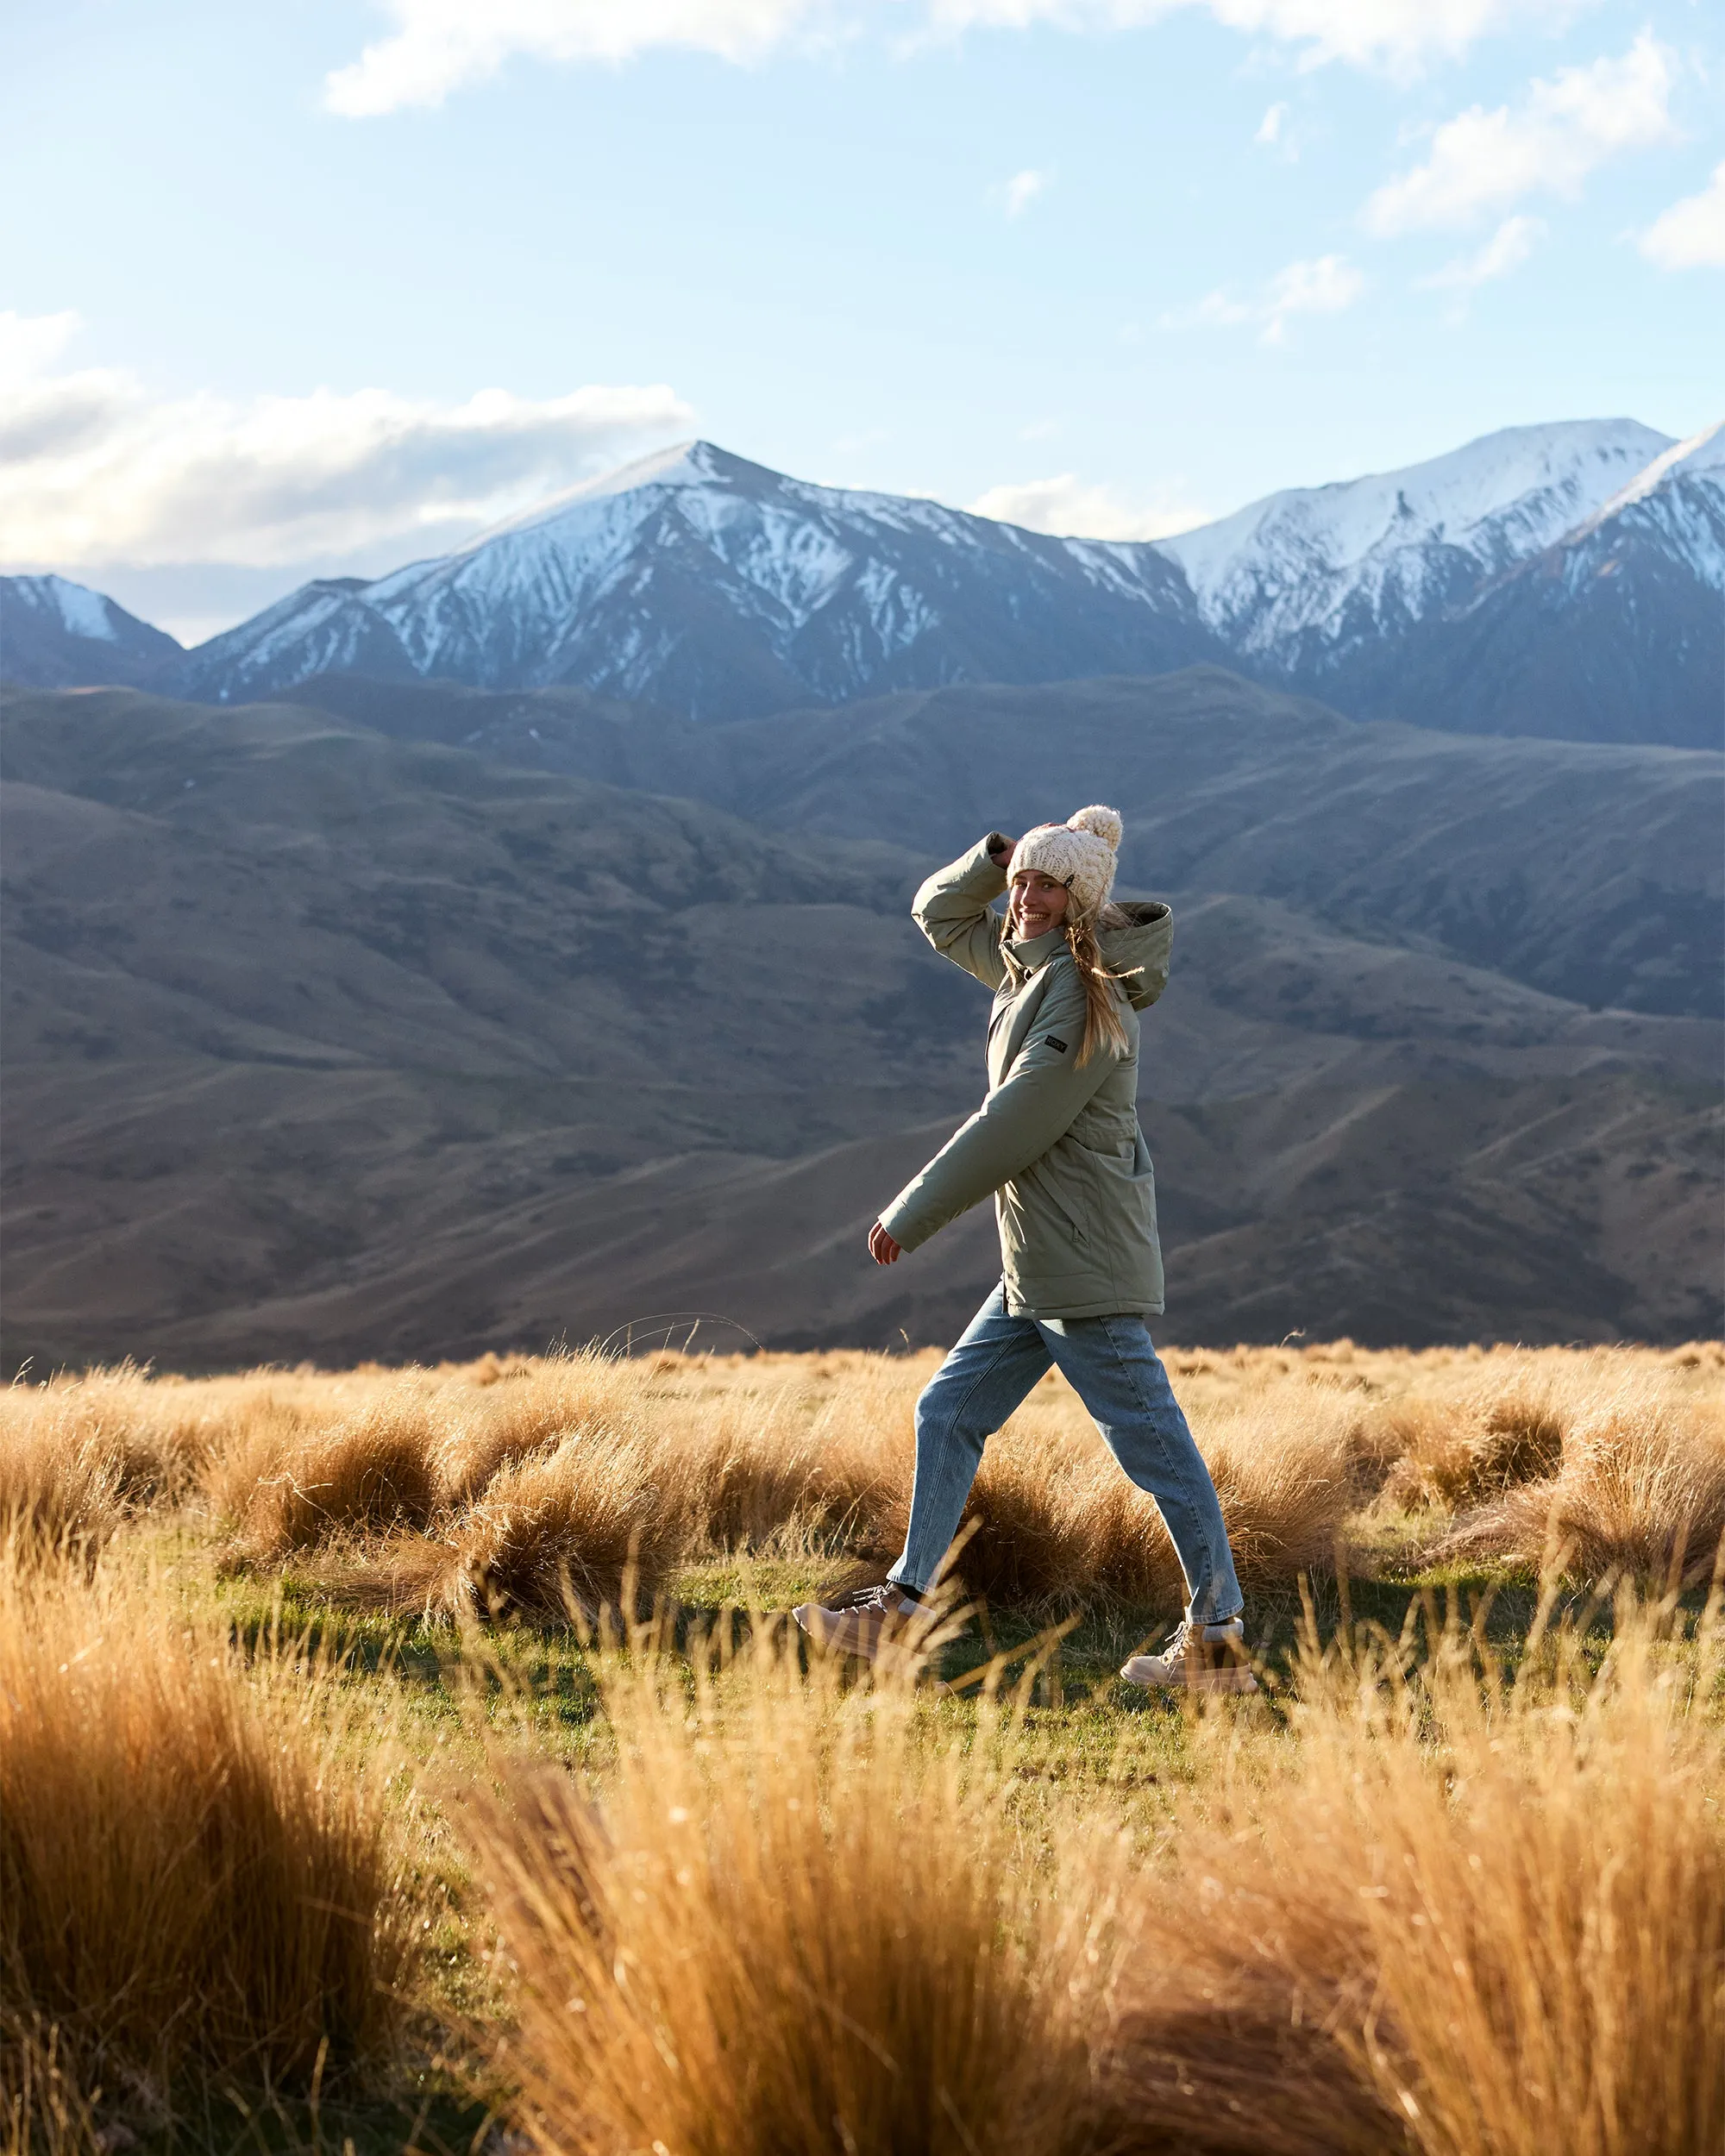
(1102, 822)
(1079, 853)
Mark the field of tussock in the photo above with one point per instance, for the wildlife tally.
(421, 1759)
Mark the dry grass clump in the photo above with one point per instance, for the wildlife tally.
(1640, 1486)
(78, 1454)
(1029, 1530)
(195, 1872)
(1455, 1451)
(58, 1492)
(287, 1480)
(1502, 1909)
(789, 1921)
(567, 1533)
(794, 1466)
(528, 1408)
(1442, 1914)
(43, 2112)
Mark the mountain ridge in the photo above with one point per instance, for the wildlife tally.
(56, 633)
(1433, 840)
(1562, 580)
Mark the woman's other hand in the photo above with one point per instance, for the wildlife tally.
(882, 1247)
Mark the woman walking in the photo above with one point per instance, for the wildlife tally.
(1058, 1146)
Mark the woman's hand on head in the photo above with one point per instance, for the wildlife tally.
(882, 1247)
(1000, 848)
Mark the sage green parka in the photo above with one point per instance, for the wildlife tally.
(1057, 1142)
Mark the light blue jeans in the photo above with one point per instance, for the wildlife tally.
(1112, 1366)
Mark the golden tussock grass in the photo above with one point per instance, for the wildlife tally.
(561, 1533)
(786, 1922)
(1408, 1901)
(79, 1453)
(287, 1480)
(481, 1485)
(496, 1420)
(43, 2111)
(1437, 1912)
(1606, 1465)
(1498, 1911)
(196, 1871)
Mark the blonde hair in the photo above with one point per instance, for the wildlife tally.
(1103, 1025)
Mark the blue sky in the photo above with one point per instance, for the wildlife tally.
(327, 286)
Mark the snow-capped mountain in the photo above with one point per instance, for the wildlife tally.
(1562, 580)
(699, 581)
(1679, 501)
(1614, 632)
(56, 633)
(1299, 581)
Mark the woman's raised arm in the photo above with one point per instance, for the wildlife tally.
(952, 909)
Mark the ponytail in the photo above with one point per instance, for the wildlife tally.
(1102, 1024)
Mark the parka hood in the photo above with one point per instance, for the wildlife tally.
(1138, 948)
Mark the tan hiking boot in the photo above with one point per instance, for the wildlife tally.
(866, 1619)
(1197, 1658)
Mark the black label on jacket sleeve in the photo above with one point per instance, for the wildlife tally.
(1053, 1042)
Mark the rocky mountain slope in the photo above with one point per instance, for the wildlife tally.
(1614, 631)
(321, 1041)
(56, 633)
(1560, 581)
(1297, 582)
(720, 589)
(1565, 580)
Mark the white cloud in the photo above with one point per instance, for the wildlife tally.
(1022, 189)
(1271, 126)
(1067, 506)
(1482, 162)
(1691, 235)
(100, 471)
(1326, 285)
(440, 46)
(1509, 246)
(444, 45)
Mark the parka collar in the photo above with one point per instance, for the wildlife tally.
(1037, 950)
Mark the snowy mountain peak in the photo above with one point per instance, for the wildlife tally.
(1466, 590)
(1676, 502)
(58, 633)
(696, 578)
(1325, 566)
(684, 464)
(72, 607)
(1703, 452)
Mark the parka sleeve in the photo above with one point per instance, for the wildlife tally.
(1037, 1104)
(952, 910)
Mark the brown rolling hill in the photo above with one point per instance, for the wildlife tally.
(1591, 869)
(324, 1042)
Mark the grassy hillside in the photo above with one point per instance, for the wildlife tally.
(326, 1814)
(1588, 870)
(321, 1041)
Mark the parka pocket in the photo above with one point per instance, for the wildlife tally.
(1045, 1192)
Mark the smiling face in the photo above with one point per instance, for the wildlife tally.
(1039, 904)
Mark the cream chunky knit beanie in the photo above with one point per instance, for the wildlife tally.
(1081, 853)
